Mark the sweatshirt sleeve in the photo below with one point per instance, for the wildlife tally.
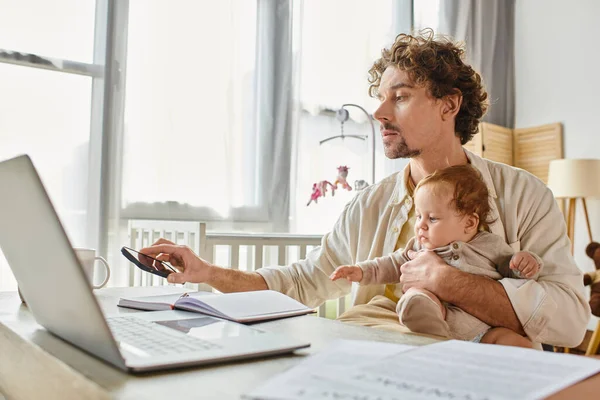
(308, 280)
(511, 273)
(386, 269)
(552, 309)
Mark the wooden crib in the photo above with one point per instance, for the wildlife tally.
(243, 251)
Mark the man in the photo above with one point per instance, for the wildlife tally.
(430, 105)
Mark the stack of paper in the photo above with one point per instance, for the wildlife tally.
(446, 370)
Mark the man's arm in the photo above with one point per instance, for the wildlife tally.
(191, 268)
(480, 296)
(306, 280)
(553, 308)
(230, 280)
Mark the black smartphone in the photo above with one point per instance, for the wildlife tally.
(147, 263)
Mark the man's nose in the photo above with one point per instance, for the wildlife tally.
(382, 113)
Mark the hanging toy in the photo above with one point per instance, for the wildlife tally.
(341, 178)
(323, 187)
(319, 190)
(314, 196)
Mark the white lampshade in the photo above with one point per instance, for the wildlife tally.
(568, 178)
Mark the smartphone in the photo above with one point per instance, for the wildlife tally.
(147, 263)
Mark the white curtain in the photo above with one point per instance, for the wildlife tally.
(487, 28)
(274, 108)
(426, 14)
(340, 41)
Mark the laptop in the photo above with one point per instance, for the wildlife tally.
(61, 299)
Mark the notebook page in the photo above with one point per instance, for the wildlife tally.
(245, 305)
(155, 303)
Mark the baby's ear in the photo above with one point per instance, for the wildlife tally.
(471, 223)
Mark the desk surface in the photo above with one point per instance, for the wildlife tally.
(62, 371)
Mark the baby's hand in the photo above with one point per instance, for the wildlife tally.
(350, 272)
(525, 263)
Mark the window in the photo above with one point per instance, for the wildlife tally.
(426, 14)
(48, 113)
(61, 29)
(190, 139)
(340, 39)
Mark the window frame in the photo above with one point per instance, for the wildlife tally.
(160, 210)
(106, 125)
(100, 79)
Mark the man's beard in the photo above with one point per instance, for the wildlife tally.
(399, 150)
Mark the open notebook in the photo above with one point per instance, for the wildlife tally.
(239, 307)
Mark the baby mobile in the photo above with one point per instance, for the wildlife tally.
(319, 189)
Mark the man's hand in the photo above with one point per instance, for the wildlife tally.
(351, 272)
(525, 263)
(426, 270)
(191, 267)
(482, 297)
(196, 270)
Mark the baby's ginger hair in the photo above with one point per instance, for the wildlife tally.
(470, 191)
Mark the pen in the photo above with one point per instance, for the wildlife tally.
(180, 297)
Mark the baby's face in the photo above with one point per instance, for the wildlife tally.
(438, 223)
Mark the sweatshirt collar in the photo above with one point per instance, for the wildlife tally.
(402, 178)
(400, 191)
(482, 167)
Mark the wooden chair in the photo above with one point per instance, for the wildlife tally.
(592, 348)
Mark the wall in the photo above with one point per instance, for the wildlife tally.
(556, 71)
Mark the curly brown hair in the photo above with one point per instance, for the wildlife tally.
(470, 194)
(436, 63)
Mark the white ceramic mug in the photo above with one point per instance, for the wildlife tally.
(88, 258)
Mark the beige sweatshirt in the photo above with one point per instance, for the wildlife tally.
(486, 254)
(552, 309)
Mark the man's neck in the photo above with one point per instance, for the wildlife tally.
(428, 163)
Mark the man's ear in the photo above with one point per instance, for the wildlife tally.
(451, 104)
(471, 223)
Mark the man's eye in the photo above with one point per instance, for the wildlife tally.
(400, 98)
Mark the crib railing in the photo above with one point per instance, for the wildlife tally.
(143, 233)
(242, 251)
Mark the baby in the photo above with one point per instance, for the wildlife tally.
(452, 211)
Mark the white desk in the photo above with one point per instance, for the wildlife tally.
(35, 364)
(71, 372)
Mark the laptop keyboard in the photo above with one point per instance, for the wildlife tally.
(153, 339)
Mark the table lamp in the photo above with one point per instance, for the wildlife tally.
(573, 179)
